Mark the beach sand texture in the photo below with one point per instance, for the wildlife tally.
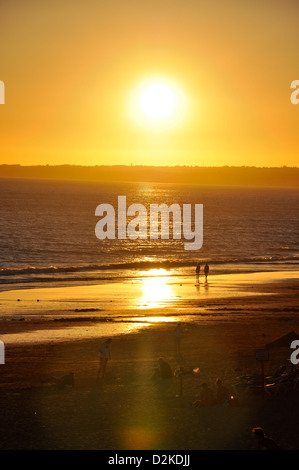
(128, 410)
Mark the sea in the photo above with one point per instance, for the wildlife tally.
(53, 267)
(47, 232)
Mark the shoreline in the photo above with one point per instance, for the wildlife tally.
(93, 311)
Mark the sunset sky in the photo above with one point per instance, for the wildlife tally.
(81, 79)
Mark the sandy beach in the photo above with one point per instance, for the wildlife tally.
(128, 410)
(149, 184)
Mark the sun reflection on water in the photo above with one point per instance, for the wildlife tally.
(156, 289)
(149, 319)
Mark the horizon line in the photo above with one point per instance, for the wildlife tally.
(147, 166)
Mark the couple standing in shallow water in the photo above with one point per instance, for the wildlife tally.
(206, 271)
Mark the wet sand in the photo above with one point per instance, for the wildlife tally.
(130, 411)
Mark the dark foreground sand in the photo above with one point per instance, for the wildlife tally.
(130, 411)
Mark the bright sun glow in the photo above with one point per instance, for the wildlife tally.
(157, 103)
(155, 292)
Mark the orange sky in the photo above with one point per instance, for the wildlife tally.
(70, 66)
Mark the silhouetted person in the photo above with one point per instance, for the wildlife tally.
(165, 369)
(104, 353)
(264, 442)
(206, 270)
(222, 394)
(197, 271)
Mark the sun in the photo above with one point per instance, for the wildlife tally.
(157, 103)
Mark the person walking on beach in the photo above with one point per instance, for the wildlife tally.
(178, 332)
(207, 269)
(104, 353)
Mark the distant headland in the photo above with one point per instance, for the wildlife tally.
(219, 176)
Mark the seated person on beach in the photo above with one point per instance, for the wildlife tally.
(222, 394)
(206, 396)
(163, 372)
(264, 443)
(165, 369)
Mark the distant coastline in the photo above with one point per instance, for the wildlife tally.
(220, 176)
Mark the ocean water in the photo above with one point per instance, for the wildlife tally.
(47, 232)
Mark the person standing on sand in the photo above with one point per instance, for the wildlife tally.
(104, 353)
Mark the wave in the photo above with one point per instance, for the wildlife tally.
(142, 265)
